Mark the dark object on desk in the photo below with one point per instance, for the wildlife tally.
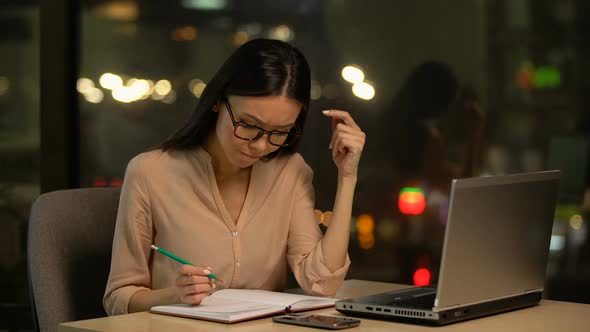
(69, 254)
(494, 255)
(318, 321)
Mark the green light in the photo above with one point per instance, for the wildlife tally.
(547, 77)
(411, 190)
(205, 4)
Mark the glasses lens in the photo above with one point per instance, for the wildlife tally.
(279, 138)
(250, 133)
(246, 132)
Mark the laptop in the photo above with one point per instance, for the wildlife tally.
(494, 254)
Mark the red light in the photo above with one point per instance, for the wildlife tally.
(411, 201)
(116, 182)
(99, 181)
(422, 277)
(525, 78)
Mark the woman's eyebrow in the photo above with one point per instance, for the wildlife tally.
(260, 122)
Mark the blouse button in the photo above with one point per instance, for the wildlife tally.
(235, 233)
(237, 264)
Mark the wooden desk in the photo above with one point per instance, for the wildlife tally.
(547, 316)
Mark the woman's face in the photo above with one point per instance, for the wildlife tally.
(270, 113)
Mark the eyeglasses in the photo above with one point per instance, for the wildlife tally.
(249, 132)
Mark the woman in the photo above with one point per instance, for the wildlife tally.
(228, 192)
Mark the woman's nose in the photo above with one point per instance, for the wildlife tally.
(261, 144)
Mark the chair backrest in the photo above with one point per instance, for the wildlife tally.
(69, 252)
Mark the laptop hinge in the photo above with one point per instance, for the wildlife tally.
(449, 307)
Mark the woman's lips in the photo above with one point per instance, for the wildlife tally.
(250, 156)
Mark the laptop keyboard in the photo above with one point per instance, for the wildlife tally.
(418, 302)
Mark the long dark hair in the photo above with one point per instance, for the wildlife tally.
(260, 67)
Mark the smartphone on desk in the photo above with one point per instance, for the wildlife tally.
(319, 321)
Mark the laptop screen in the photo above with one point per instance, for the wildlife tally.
(497, 237)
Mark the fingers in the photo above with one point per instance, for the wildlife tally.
(344, 131)
(197, 288)
(348, 142)
(193, 284)
(193, 299)
(194, 270)
(340, 128)
(341, 122)
(185, 280)
(340, 116)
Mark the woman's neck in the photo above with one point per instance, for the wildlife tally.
(222, 167)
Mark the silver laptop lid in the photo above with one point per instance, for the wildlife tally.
(497, 238)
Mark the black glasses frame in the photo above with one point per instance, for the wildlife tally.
(292, 134)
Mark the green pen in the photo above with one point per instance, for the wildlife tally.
(181, 260)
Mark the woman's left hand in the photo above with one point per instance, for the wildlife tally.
(347, 142)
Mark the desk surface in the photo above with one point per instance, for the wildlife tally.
(547, 316)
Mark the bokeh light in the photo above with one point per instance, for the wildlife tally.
(576, 222)
(110, 81)
(411, 201)
(363, 90)
(422, 277)
(352, 74)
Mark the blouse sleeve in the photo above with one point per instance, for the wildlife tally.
(131, 243)
(304, 247)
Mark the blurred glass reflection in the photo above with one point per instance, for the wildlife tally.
(19, 153)
(482, 88)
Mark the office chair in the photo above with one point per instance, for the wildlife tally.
(69, 253)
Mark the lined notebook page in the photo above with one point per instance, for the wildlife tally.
(237, 304)
(219, 307)
(274, 298)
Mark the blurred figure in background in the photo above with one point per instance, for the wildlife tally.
(429, 108)
(437, 133)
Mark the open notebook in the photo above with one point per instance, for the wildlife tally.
(236, 305)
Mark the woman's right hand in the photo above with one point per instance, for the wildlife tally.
(193, 284)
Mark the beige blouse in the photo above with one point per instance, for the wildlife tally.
(171, 199)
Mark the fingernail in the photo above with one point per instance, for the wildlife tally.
(213, 286)
(326, 111)
(330, 146)
(206, 271)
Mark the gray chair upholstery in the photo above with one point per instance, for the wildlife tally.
(69, 252)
